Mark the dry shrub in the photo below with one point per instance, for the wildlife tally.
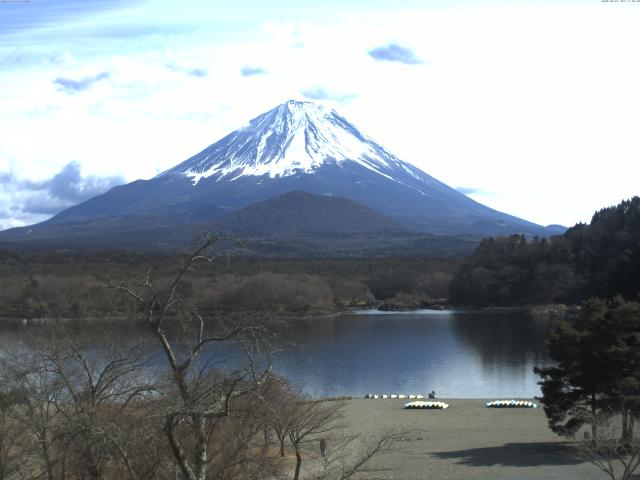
(276, 291)
(351, 293)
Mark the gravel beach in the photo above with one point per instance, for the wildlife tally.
(468, 441)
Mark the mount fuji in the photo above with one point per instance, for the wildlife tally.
(295, 147)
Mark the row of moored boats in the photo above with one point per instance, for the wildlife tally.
(419, 403)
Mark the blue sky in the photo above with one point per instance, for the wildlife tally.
(528, 107)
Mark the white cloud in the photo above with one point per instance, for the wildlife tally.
(26, 199)
(537, 105)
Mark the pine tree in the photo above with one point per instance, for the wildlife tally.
(623, 321)
(598, 368)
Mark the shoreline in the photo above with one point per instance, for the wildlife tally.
(542, 310)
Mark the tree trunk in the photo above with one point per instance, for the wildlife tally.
(628, 424)
(594, 420)
(296, 475)
(178, 453)
(200, 455)
(46, 456)
(93, 470)
(63, 465)
(282, 446)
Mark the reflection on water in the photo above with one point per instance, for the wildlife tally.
(457, 354)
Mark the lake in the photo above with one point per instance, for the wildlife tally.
(458, 354)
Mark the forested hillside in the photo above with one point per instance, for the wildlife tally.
(600, 259)
(65, 285)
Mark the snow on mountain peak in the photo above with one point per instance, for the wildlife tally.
(292, 138)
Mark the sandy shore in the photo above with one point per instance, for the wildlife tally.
(468, 441)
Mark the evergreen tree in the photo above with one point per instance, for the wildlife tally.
(598, 368)
(573, 390)
(623, 322)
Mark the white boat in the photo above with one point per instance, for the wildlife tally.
(426, 405)
(511, 404)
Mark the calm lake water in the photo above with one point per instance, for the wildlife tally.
(457, 354)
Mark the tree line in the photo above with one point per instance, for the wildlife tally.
(599, 259)
(65, 285)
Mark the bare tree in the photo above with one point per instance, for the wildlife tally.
(73, 404)
(310, 421)
(618, 458)
(203, 392)
(35, 410)
(11, 459)
(98, 389)
(350, 457)
(237, 450)
(314, 431)
(278, 409)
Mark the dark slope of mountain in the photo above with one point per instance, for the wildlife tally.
(300, 224)
(299, 214)
(298, 146)
(295, 224)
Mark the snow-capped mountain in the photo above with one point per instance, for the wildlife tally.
(297, 146)
(296, 137)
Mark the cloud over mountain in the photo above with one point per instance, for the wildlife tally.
(247, 71)
(71, 85)
(320, 93)
(67, 187)
(395, 53)
(469, 190)
(193, 71)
